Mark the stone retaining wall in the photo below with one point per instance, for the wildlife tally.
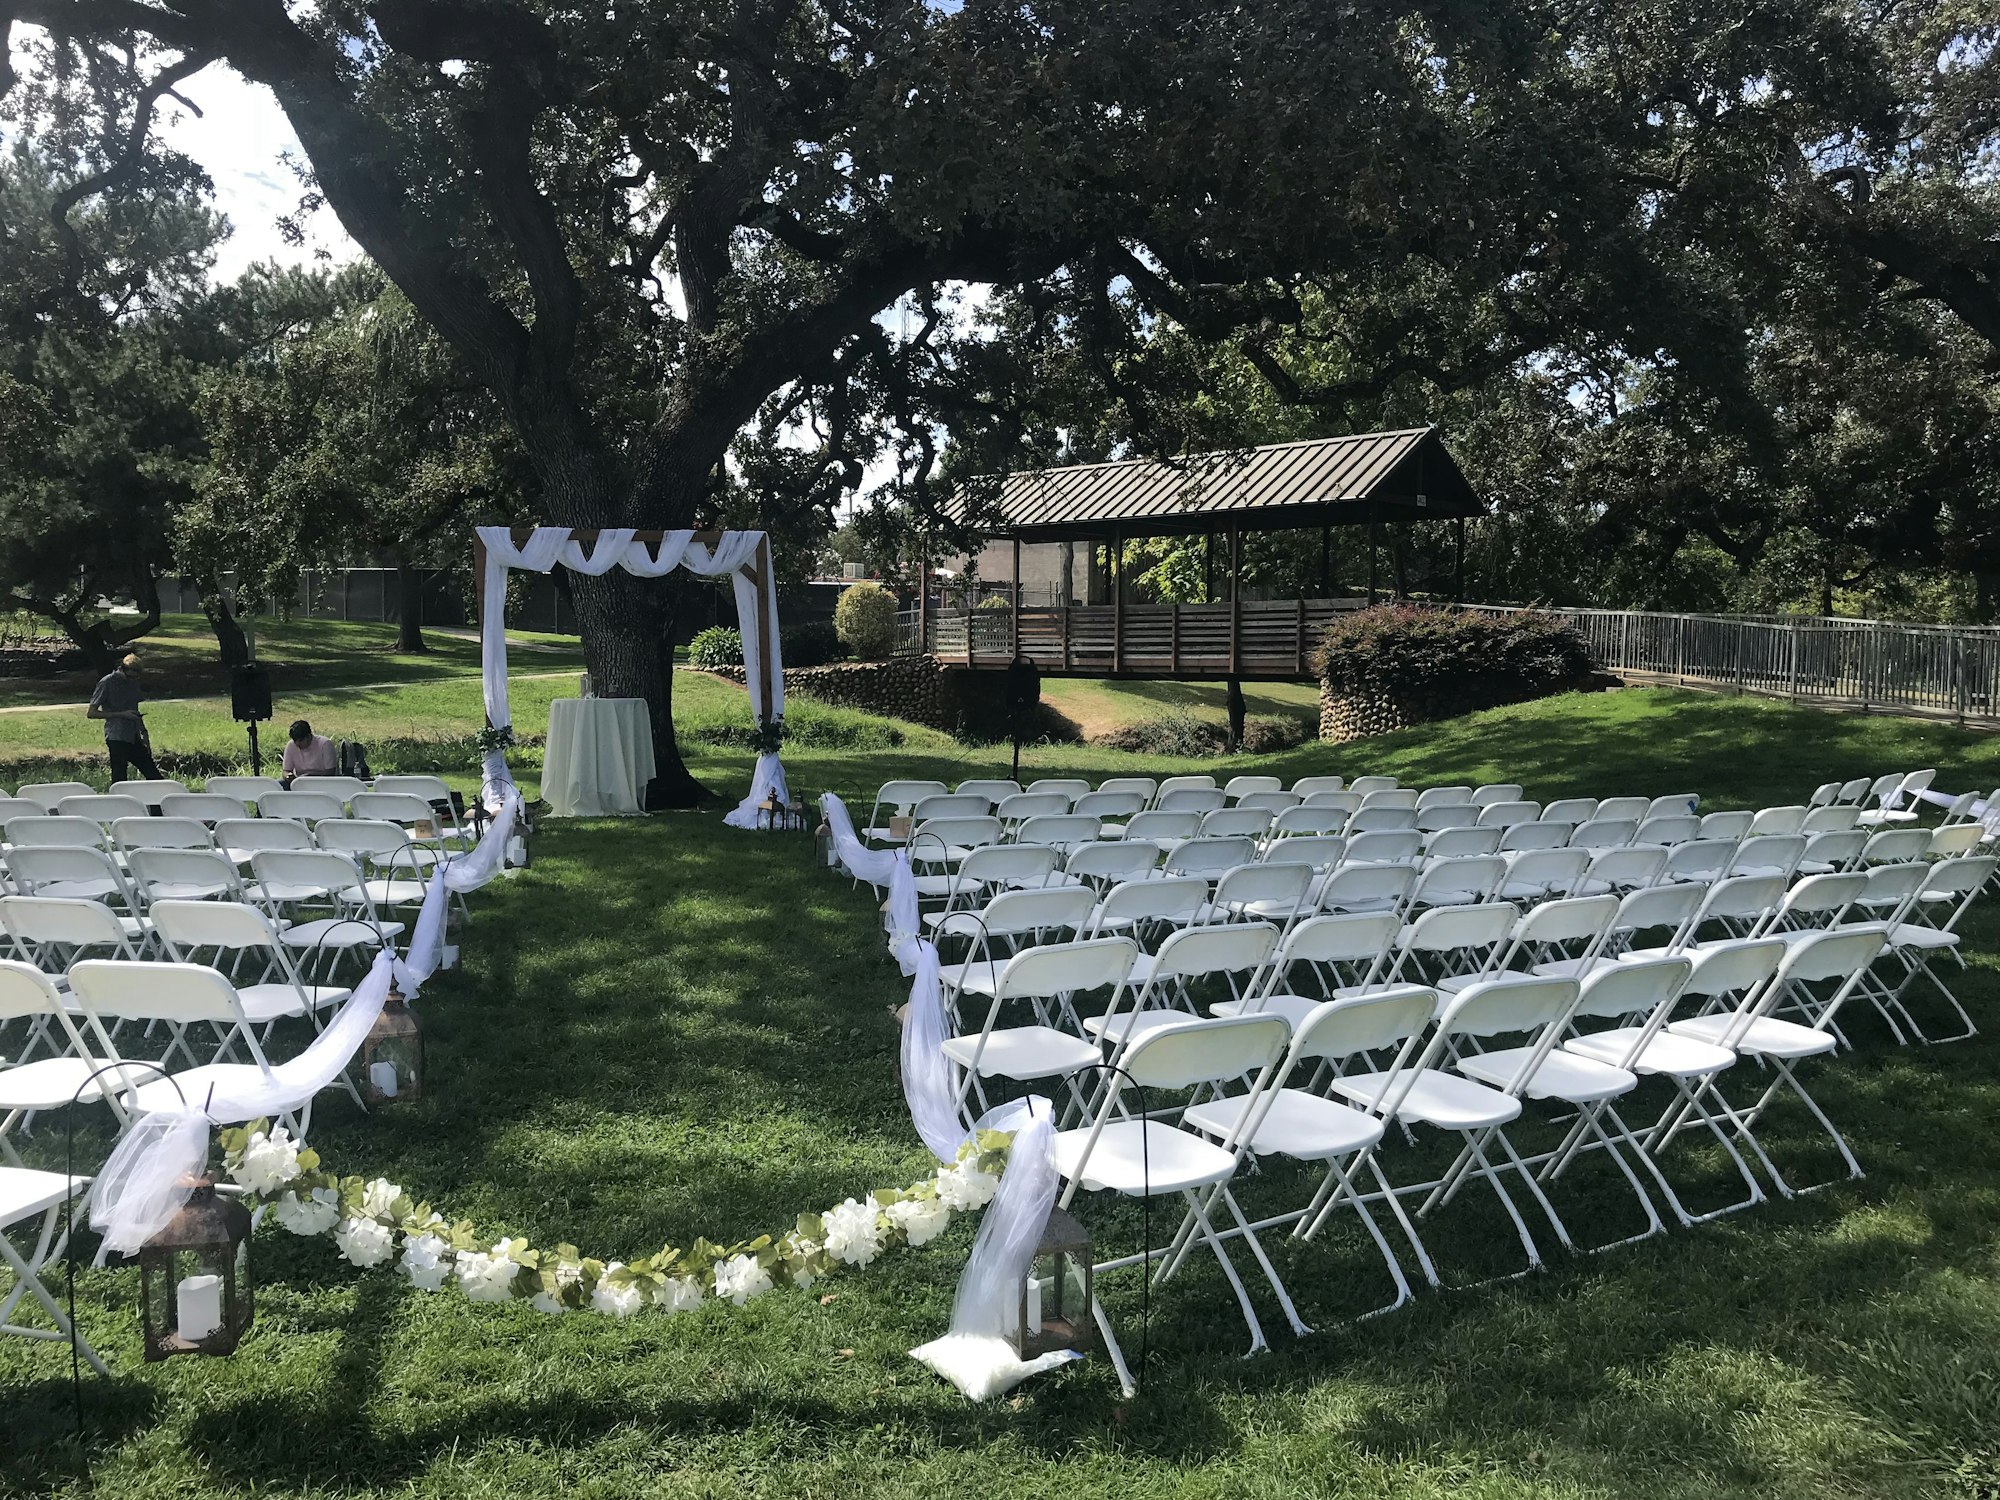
(957, 700)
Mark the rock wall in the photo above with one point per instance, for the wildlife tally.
(1352, 716)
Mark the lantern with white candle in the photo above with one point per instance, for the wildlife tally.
(392, 1054)
(194, 1277)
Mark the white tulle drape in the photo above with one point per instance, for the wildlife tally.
(616, 547)
(144, 1182)
(976, 1355)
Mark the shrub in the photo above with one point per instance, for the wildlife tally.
(812, 643)
(865, 618)
(1267, 736)
(717, 646)
(996, 601)
(1176, 732)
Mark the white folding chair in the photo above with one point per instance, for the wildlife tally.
(1209, 857)
(344, 787)
(1668, 909)
(1833, 850)
(240, 838)
(1672, 804)
(1311, 786)
(408, 811)
(1495, 793)
(1142, 1157)
(1568, 931)
(1145, 786)
(1184, 783)
(301, 806)
(1047, 978)
(56, 831)
(992, 790)
(1345, 803)
(73, 871)
(1624, 809)
(1702, 860)
(1569, 810)
(1383, 846)
(245, 789)
(1824, 795)
(380, 844)
(152, 793)
(240, 939)
(1543, 874)
(1106, 862)
(1389, 799)
(1507, 814)
(323, 901)
(1016, 810)
(1008, 922)
(1452, 942)
(1367, 888)
(48, 795)
(1733, 826)
(1363, 785)
(1915, 941)
(1239, 787)
(1236, 822)
(161, 833)
(1438, 796)
(26, 1194)
(1668, 831)
(102, 810)
(974, 877)
(1064, 831)
(1383, 820)
(1520, 838)
(1320, 851)
(1787, 819)
(1466, 881)
(1068, 787)
(1345, 953)
(1603, 833)
(1768, 854)
(1136, 905)
(72, 1074)
(1271, 802)
(184, 875)
(1194, 799)
(946, 841)
(1265, 892)
(1895, 798)
(1461, 843)
(898, 798)
(1162, 828)
(52, 932)
(1620, 869)
(1440, 816)
(1112, 809)
(1308, 821)
(1163, 983)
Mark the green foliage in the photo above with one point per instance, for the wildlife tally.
(865, 619)
(1397, 650)
(717, 646)
(1176, 732)
(996, 601)
(1267, 736)
(811, 643)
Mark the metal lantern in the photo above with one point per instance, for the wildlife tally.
(771, 813)
(194, 1277)
(1058, 1293)
(825, 857)
(392, 1055)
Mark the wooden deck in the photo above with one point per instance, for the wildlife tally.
(1255, 640)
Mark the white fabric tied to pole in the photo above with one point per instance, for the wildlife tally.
(616, 547)
(471, 870)
(1984, 813)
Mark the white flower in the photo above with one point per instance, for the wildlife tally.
(545, 1303)
(568, 1273)
(315, 1213)
(267, 1163)
(740, 1278)
(364, 1242)
(378, 1199)
(426, 1261)
(489, 1277)
(618, 1301)
(921, 1219)
(681, 1294)
(965, 1186)
(851, 1233)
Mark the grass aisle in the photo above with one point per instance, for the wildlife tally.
(670, 1028)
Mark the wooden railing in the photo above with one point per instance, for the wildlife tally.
(1257, 638)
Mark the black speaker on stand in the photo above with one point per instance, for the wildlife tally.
(1024, 701)
(250, 701)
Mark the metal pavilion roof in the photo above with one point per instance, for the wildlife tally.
(1392, 476)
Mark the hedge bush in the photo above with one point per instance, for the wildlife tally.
(717, 646)
(1267, 736)
(865, 618)
(812, 643)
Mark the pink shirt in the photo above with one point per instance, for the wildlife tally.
(316, 757)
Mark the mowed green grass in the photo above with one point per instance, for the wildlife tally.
(668, 1028)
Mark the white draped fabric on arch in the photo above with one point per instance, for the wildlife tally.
(744, 555)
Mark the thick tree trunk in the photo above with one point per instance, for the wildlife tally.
(627, 625)
(230, 642)
(409, 609)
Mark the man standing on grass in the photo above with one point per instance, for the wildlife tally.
(116, 701)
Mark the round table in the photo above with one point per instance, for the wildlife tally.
(599, 757)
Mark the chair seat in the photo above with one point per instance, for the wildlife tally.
(1298, 1124)
(1435, 1098)
(1142, 1158)
(1571, 968)
(1914, 935)
(1524, 890)
(1127, 1024)
(77, 890)
(1294, 1008)
(1675, 1056)
(1561, 1075)
(52, 1082)
(269, 1002)
(187, 890)
(1266, 910)
(394, 892)
(1024, 1052)
(339, 932)
(1878, 816)
(1766, 1036)
(25, 1191)
(974, 978)
(292, 890)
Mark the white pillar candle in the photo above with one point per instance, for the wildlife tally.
(517, 850)
(198, 1307)
(1034, 1305)
(383, 1076)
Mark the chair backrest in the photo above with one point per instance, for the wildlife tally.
(187, 925)
(343, 787)
(1347, 803)
(1893, 889)
(1062, 908)
(1821, 895)
(1174, 899)
(1571, 919)
(102, 810)
(1824, 794)
(931, 837)
(1145, 786)
(1890, 846)
(1384, 845)
(1183, 1054)
(48, 795)
(1383, 820)
(326, 869)
(1788, 819)
(1603, 833)
(1536, 835)
(262, 833)
(1402, 797)
(150, 991)
(1570, 810)
(1781, 851)
(1059, 828)
(1507, 814)
(1851, 792)
(990, 788)
(1496, 792)
(1446, 928)
(1640, 987)
(1367, 887)
(1447, 815)
(1322, 851)
(1673, 803)
(945, 805)
(1183, 783)
(52, 830)
(1633, 808)
(1675, 828)
(1476, 876)
(1830, 820)
(1337, 1029)
(161, 833)
(1916, 781)
(1553, 870)
(1960, 838)
(1163, 825)
(148, 792)
(25, 991)
(18, 807)
(1725, 825)
(1110, 859)
(1235, 822)
(1841, 954)
(1307, 786)
(392, 807)
(1202, 856)
(184, 872)
(1356, 937)
(1064, 968)
(1294, 821)
(204, 807)
(245, 789)
(431, 788)
(902, 796)
(1024, 805)
(1239, 787)
(69, 921)
(1700, 859)
(377, 837)
(1742, 897)
(1451, 796)
(1668, 908)
(998, 862)
(1366, 784)
(1071, 787)
(1232, 948)
(1271, 802)
(301, 807)
(35, 866)
(1509, 1003)
(1284, 884)
(1456, 843)
(1194, 799)
(1109, 804)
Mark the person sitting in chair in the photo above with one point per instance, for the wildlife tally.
(307, 754)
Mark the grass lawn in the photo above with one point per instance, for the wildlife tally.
(1097, 706)
(668, 1028)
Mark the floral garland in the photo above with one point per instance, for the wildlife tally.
(493, 738)
(768, 736)
(374, 1222)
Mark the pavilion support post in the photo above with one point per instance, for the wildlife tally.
(1458, 564)
(1115, 566)
(923, 598)
(1236, 713)
(1326, 562)
(1208, 569)
(1014, 614)
(1235, 602)
(1374, 549)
